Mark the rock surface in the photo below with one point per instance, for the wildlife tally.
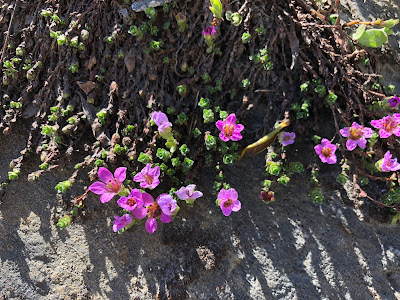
(290, 249)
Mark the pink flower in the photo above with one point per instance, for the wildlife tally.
(164, 207)
(287, 138)
(388, 125)
(188, 193)
(394, 101)
(326, 152)
(209, 30)
(148, 177)
(229, 129)
(228, 201)
(357, 135)
(389, 163)
(161, 121)
(111, 185)
(136, 203)
(121, 222)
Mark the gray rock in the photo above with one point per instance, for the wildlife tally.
(138, 6)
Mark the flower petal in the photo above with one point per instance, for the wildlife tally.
(165, 218)
(362, 143)
(226, 210)
(121, 222)
(236, 136)
(135, 193)
(236, 205)
(345, 131)
(167, 204)
(325, 143)
(220, 125)
(151, 225)
(144, 184)
(231, 119)
(139, 177)
(122, 203)
(331, 160)
(223, 195)
(367, 132)
(223, 137)
(98, 188)
(318, 149)
(232, 194)
(351, 145)
(120, 174)
(155, 183)
(384, 134)
(238, 128)
(181, 193)
(191, 188)
(396, 131)
(105, 175)
(106, 197)
(387, 155)
(159, 118)
(164, 126)
(196, 194)
(147, 199)
(377, 123)
(155, 171)
(139, 213)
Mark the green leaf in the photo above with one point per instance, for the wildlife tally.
(359, 32)
(388, 31)
(373, 38)
(390, 23)
(216, 8)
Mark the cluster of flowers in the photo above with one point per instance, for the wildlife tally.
(141, 204)
(357, 136)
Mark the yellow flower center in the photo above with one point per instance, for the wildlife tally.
(355, 134)
(228, 129)
(326, 152)
(114, 185)
(149, 179)
(389, 125)
(154, 211)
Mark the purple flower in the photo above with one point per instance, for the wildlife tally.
(229, 129)
(161, 121)
(180, 17)
(357, 135)
(148, 177)
(228, 201)
(121, 222)
(388, 125)
(394, 101)
(209, 30)
(267, 196)
(111, 185)
(188, 193)
(287, 138)
(389, 163)
(164, 207)
(136, 203)
(167, 204)
(326, 152)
